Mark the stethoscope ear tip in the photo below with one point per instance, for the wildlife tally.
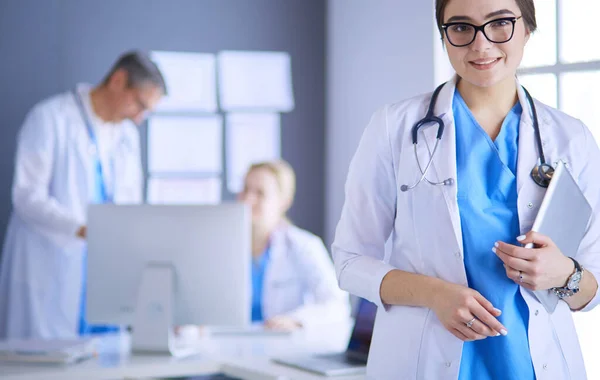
(404, 188)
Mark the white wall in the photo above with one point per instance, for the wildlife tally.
(378, 51)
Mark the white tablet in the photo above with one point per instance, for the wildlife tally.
(563, 216)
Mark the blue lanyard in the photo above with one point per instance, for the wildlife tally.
(99, 175)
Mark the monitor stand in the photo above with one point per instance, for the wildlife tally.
(153, 321)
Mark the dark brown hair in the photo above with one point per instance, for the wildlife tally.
(527, 8)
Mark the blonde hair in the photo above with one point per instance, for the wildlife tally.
(284, 175)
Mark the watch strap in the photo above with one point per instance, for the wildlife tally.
(565, 291)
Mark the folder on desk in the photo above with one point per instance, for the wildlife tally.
(47, 351)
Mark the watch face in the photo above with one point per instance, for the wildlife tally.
(574, 281)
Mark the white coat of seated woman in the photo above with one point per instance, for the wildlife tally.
(293, 278)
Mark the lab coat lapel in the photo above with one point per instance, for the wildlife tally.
(528, 156)
(276, 250)
(444, 161)
(81, 143)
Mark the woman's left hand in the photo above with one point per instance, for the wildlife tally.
(539, 268)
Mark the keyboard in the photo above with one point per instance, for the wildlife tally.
(246, 330)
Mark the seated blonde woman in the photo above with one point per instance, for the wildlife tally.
(293, 279)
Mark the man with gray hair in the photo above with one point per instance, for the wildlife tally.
(75, 148)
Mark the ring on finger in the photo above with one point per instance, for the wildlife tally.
(470, 323)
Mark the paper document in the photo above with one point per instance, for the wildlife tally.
(190, 80)
(184, 191)
(255, 81)
(251, 138)
(185, 144)
(47, 351)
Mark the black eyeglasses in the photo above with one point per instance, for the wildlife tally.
(498, 31)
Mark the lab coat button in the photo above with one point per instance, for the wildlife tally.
(457, 254)
(530, 205)
(537, 312)
(545, 366)
(448, 364)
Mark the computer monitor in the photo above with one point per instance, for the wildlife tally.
(156, 265)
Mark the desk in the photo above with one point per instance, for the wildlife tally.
(247, 357)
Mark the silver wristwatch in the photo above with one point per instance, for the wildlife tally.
(572, 285)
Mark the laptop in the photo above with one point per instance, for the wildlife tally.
(353, 361)
(563, 216)
(251, 330)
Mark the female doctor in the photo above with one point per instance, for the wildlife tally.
(455, 291)
(293, 278)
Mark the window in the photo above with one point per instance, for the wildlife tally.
(543, 87)
(541, 48)
(578, 33)
(561, 65)
(580, 97)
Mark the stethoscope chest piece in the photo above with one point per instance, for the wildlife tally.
(542, 174)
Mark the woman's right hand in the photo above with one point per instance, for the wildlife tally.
(456, 305)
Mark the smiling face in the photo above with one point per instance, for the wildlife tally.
(484, 63)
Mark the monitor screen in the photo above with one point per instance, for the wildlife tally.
(363, 328)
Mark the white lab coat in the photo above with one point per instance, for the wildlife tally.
(425, 235)
(300, 280)
(41, 268)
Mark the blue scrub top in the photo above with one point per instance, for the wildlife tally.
(258, 274)
(487, 201)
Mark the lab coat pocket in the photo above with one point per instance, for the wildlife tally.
(440, 351)
(434, 235)
(396, 343)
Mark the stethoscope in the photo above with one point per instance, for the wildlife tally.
(541, 173)
(92, 135)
